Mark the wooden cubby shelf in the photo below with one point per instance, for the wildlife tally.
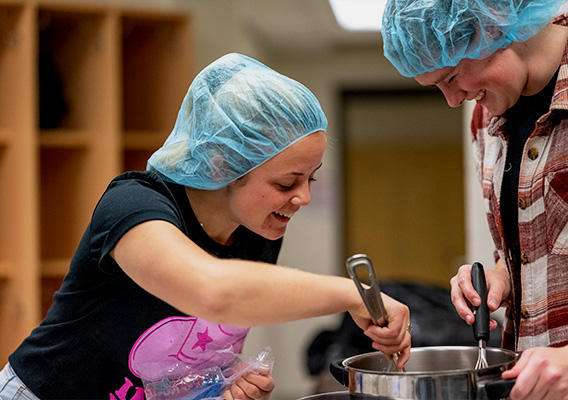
(88, 90)
(59, 138)
(55, 268)
(144, 140)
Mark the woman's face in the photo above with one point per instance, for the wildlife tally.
(495, 82)
(268, 196)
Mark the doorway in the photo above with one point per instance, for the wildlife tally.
(403, 182)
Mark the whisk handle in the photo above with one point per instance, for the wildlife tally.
(481, 312)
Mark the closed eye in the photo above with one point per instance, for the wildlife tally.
(289, 187)
(311, 179)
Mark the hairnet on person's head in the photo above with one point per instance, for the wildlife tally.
(237, 114)
(424, 35)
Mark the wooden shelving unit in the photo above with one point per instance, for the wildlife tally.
(150, 46)
(87, 91)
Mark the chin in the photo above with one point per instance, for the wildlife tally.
(270, 234)
(499, 112)
(275, 236)
(493, 110)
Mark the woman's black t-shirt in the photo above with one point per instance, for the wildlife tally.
(81, 349)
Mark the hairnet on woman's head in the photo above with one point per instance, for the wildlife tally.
(237, 114)
(424, 35)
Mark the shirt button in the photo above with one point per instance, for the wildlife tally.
(524, 259)
(533, 153)
(522, 203)
(524, 313)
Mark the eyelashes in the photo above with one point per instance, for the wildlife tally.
(289, 187)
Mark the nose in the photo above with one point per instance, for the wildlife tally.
(302, 196)
(454, 97)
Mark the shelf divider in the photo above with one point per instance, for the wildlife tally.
(54, 268)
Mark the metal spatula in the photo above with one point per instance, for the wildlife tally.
(481, 313)
(370, 292)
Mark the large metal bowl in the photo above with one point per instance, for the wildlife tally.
(445, 372)
(342, 396)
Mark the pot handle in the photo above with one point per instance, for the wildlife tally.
(499, 388)
(339, 372)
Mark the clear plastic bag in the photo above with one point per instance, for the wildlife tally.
(209, 382)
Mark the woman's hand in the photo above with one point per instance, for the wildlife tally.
(395, 337)
(464, 295)
(542, 374)
(252, 386)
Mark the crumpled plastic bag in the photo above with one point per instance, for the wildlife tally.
(210, 382)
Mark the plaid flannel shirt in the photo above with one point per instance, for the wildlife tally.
(537, 312)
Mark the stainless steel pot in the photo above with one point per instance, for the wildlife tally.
(342, 396)
(445, 372)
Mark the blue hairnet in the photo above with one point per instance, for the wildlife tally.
(236, 115)
(424, 35)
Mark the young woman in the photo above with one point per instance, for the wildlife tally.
(507, 57)
(177, 261)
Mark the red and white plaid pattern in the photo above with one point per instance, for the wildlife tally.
(543, 217)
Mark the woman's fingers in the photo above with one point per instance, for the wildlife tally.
(253, 386)
(463, 294)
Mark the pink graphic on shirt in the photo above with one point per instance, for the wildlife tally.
(176, 346)
(122, 393)
(202, 340)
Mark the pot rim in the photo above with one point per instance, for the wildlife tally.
(482, 371)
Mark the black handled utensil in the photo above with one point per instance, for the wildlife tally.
(481, 313)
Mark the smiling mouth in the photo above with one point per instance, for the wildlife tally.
(480, 95)
(283, 216)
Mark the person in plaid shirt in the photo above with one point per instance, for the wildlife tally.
(512, 60)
